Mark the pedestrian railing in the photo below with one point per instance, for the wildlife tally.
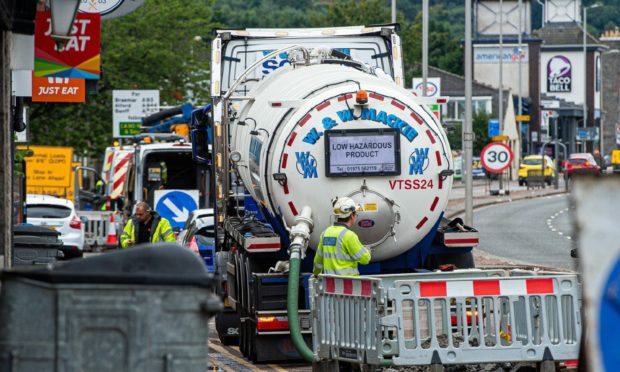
(449, 318)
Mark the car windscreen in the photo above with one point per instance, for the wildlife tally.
(532, 161)
(47, 211)
(206, 235)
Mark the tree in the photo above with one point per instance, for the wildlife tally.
(151, 48)
(480, 122)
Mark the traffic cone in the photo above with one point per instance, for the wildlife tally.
(111, 240)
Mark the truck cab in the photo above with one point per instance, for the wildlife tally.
(163, 166)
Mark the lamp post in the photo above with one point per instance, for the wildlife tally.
(424, 46)
(393, 11)
(585, 67)
(467, 125)
(63, 16)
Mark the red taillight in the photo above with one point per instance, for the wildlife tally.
(587, 164)
(75, 223)
(193, 245)
(570, 363)
(272, 323)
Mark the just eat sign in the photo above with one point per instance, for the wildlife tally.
(78, 58)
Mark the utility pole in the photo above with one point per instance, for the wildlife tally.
(424, 46)
(501, 83)
(393, 11)
(520, 104)
(467, 125)
(6, 161)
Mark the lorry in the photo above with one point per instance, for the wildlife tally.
(298, 118)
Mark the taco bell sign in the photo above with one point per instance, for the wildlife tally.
(559, 75)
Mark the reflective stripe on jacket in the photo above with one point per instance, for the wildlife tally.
(339, 252)
(161, 233)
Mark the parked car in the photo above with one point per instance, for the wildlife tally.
(57, 214)
(534, 162)
(200, 238)
(193, 216)
(582, 163)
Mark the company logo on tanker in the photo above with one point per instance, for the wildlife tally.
(391, 120)
(418, 161)
(306, 164)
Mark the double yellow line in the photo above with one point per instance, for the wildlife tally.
(230, 353)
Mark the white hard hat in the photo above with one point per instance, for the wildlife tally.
(344, 207)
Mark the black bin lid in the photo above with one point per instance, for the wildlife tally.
(33, 241)
(33, 230)
(151, 264)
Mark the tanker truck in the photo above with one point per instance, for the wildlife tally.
(300, 117)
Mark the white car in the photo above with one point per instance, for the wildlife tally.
(194, 215)
(57, 214)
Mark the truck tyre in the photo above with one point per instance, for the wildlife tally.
(460, 260)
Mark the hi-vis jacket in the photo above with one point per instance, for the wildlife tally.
(162, 231)
(339, 252)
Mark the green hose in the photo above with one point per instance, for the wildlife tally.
(292, 300)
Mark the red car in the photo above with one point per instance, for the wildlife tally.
(582, 163)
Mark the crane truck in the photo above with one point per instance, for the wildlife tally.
(298, 118)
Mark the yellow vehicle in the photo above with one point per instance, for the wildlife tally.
(615, 160)
(534, 162)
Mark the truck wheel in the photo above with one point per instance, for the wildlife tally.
(460, 260)
(242, 306)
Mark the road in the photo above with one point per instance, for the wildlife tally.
(535, 231)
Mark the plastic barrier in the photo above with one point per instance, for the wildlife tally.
(346, 318)
(96, 227)
(451, 318)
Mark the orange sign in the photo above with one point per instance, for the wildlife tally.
(53, 89)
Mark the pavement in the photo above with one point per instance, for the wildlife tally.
(482, 195)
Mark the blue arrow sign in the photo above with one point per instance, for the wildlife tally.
(175, 206)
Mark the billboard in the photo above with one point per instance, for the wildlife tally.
(559, 75)
(78, 58)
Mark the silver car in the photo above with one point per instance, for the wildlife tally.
(57, 214)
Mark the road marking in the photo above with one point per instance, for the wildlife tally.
(550, 223)
(237, 359)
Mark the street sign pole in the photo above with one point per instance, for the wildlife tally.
(555, 152)
(467, 126)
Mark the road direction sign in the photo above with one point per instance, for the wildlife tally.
(496, 157)
(129, 107)
(175, 205)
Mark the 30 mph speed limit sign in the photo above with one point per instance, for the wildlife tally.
(496, 157)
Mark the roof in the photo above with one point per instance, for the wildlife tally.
(48, 199)
(174, 146)
(569, 34)
(575, 109)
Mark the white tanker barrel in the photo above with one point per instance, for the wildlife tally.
(305, 141)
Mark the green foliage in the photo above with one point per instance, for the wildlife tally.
(480, 121)
(151, 48)
(154, 48)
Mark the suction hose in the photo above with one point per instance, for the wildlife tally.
(300, 233)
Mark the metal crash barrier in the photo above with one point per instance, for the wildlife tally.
(453, 318)
(96, 227)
